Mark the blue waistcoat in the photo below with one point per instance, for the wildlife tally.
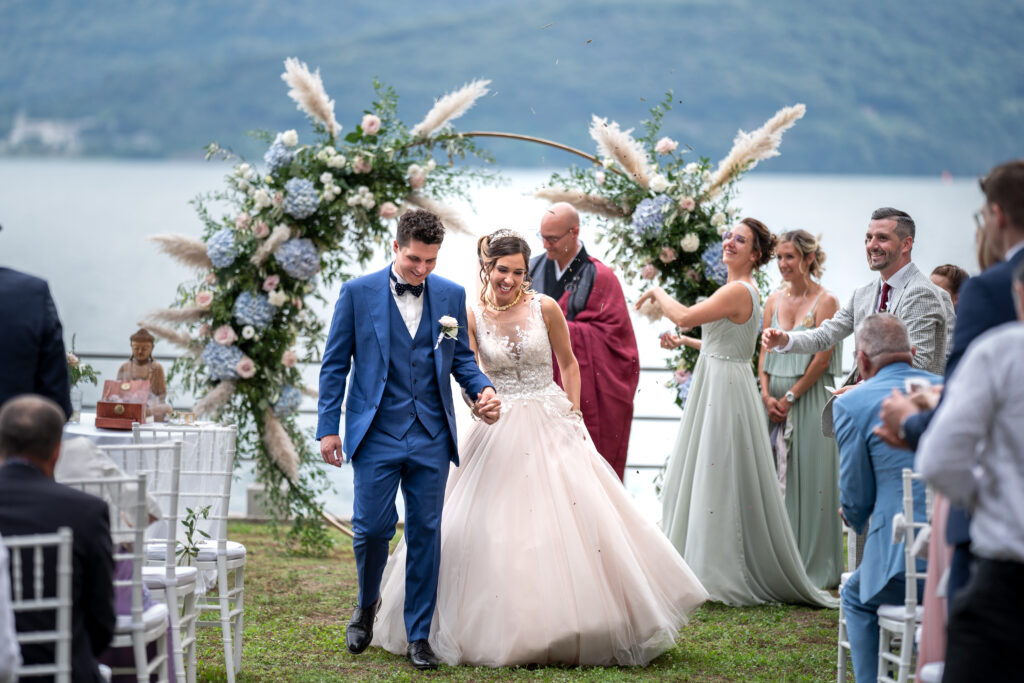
(411, 391)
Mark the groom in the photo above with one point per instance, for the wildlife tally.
(387, 340)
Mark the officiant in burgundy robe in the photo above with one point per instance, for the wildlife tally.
(599, 328)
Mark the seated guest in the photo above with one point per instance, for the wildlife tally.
(10, 655)
(871, 483)
(950, 278)
(31, 502)
(973, 452)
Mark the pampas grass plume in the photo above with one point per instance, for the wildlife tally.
(185, 314)
(588, 203)
(214, 398)
(170, 334)
(281, 234)
(449, 216)
(280, 447)
(189, 250)
(450, 107)
(619, 145)
(750, 148)
(308, 92)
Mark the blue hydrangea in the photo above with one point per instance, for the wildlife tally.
(254, 310)
(300, 199)
(299, 258)
(278, 156)
(683, 391)
(221, 248)
(289, 401)
(713, 266)
(650, 214)
(220, 360)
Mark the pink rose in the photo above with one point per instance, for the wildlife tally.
(289, 358)
(204, 330)
(224, 335)
(361, 165)
(417, 180)
(278, 198)
(370, 125)
(687, 203)
(204, 299)
(242, 221)
(692, 275)
(649, 271)
(72, 359)
(667, 255)
(665, 145)
(681, 376)
(388, 210)
(599, 177)
(260, 230)
(211, 278)
(297, 302)
(245, 368)
(271, 283)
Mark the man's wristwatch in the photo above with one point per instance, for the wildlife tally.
(790, 396)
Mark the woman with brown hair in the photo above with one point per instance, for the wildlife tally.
(721, 504)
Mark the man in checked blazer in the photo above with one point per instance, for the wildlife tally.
(902, 290)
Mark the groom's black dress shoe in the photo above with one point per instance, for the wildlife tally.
(360, 628)
(421, 656)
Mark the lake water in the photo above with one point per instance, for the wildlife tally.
(84, 225)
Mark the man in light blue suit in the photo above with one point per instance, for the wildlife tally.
(391, 343)
(871, 484)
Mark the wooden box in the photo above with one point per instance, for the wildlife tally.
(122, 404)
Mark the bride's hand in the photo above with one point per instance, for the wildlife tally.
(650, 295)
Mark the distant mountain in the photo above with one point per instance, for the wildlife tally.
(890, 87)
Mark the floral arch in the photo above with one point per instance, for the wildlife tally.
(322, 208)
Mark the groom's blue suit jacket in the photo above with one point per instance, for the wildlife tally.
(358, 354)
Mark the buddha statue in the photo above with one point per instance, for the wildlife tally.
(142, 366)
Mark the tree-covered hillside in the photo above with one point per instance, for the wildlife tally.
(905, 87)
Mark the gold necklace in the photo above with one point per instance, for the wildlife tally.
(496, 307)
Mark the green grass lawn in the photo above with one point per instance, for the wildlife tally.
(296, 609)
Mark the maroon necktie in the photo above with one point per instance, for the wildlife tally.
(884, 303)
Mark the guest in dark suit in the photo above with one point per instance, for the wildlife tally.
(871, 483)
(32, 359)
(31, 502)
(985, 302)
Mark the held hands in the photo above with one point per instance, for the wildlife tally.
(777, 408)
(487, 406)
(330, 450)
(772, 338)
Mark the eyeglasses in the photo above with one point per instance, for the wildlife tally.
(729, 234)
(552, 240)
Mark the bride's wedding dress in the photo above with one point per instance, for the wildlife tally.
(544, 556)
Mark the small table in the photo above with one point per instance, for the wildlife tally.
(98, 435)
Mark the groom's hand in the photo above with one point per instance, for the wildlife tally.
(488, 406)
(330, 449)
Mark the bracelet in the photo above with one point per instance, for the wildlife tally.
(577, 412)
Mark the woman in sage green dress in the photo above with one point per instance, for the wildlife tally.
(794, 394)
(722, 508)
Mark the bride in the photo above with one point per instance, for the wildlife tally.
(544, 557)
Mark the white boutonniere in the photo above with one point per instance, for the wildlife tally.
(449, 328)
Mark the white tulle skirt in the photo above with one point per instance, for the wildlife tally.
(545, 558)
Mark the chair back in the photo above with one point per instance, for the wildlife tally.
(207, 468)
(160, 463)
(126, 498)
(912, 526)
(33, 591)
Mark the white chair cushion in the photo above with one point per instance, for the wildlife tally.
(896, 612)
(932, 672)
(155, 615)
(156, 577)
(155, 551)
(208, 551)
(843, 578)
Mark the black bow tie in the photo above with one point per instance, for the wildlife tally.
(401, 289)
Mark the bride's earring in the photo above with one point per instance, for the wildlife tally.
(523, 286)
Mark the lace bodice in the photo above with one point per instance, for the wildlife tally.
(515, 351)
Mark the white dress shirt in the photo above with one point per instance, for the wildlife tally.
(10, 654)
(559, 271)
(411, 307)
(973, 450)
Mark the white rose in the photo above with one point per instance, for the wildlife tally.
(353, 200)
(243, 169)
(336, 161)
(290, 138)
(608, 163)
(414, 169)
(248, 332)
(326, 178)
(262, 199)
(690, 242)
(448, 321)
(368, 201)
(276, 298)
(241, 184)
(690, 168)
(718, 219)
(431, 165)
(705, 176)
(659, 183)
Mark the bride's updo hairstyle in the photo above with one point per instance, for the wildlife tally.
(490, 248)
(764, 240)
(805, 243)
